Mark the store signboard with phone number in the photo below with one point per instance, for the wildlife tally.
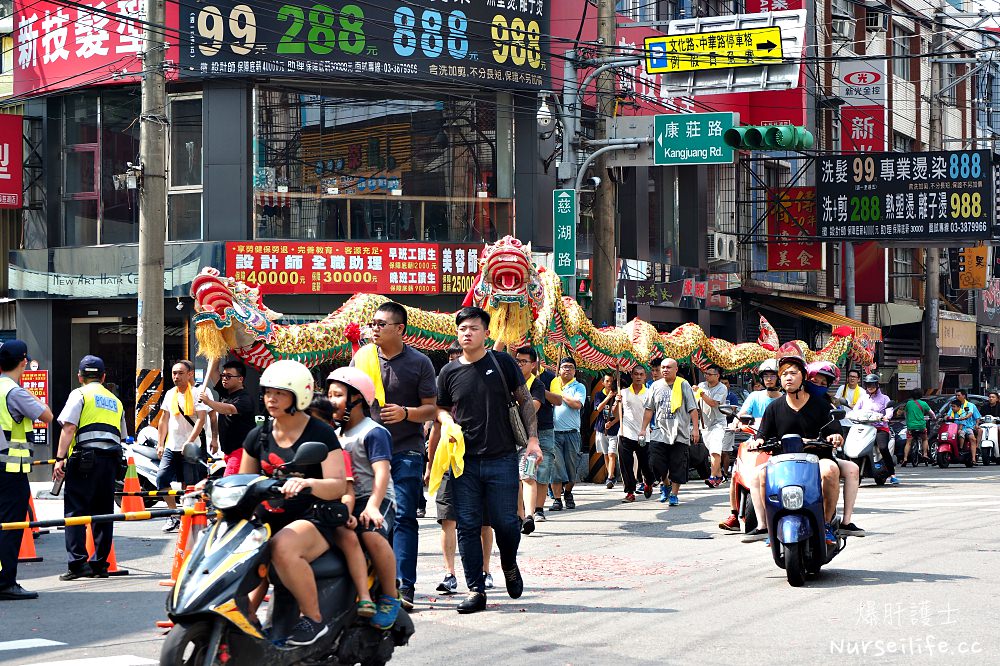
(494, 43)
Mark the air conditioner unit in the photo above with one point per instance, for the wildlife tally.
(722, 247)
(876, 21)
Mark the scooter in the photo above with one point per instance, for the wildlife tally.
(947, 445)
(747, 460)
(142, 450)
(209, 604)
(794, 505)
(860, 448)
(989, 446)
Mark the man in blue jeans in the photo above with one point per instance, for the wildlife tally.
(567, 427)
(410, 396)
(474, 392)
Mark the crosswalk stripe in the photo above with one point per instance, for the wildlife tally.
(120, 660)
(27, 643)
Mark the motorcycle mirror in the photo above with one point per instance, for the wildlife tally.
(728, 410)
(746, 419)
(192, 453)
(310, 453)
(838, 414)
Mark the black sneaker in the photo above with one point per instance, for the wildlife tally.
(75, 575)
(449, 585)
(758, 534)
(406, 597)
(473, 603)
(556, 505)
(540, 516)
(16, 593)
(528, 525)
(172, 524)
(515, 584)
(610, 484)
(307, 632)
(570, 502)
(850, 529)
(421, 513)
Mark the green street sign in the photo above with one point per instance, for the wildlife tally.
(692, 138)
(564, 232)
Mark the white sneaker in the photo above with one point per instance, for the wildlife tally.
(172, 524)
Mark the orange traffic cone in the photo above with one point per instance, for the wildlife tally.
(180, 552)
(33, 515)
(113, 569)
(131, 503)
(27, 552)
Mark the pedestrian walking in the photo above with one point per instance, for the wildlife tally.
(567, 426)
(606, 425)
(711, 394)
(88, 457)
(533, 489)
(632, 446)
(18, 412)
(673, 403)
(182, 423)
(480, 387)
(237, 410)
(405, 395)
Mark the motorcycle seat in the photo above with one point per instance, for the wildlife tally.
(145, 451)
(330, 564)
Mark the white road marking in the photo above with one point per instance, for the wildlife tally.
(27, 644)
(120, 660)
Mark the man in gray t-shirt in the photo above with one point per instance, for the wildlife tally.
(712, 393)
(679, 425)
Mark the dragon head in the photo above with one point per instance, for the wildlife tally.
(509, 289)
(228, 314)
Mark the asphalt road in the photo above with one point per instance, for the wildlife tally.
(610, 583)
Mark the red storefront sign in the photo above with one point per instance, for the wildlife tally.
(862, 129)
(36, 382)
(11, 161)
(62, 46)
(291, 267)
(459, 265)
(792, 214)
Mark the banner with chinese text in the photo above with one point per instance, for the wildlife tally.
(459, 265)
(11, 160)
(862, 129)
(791, 215)
(36, 382)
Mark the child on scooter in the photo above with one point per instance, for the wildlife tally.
(352, 393)
(345, 538)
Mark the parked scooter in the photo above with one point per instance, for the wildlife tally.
(794, 504)
(747, 459)
(860, 447)
(989, 446)
(142, 450)
(947, 445)
(210, 607)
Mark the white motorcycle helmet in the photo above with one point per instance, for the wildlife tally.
(293, 377)
(770, 365)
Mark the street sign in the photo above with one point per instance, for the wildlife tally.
(723, 49)
(692, 138)
(620, 312)
(915, 197)
(564, 232)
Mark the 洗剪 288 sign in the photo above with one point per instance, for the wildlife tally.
(905, 196)
(494, 42)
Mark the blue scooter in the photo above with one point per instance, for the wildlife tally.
(794, 505)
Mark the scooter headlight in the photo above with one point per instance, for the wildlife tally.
(792, 497)
(227, 498)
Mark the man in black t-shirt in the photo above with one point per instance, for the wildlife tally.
(475, 392)
(237, 411)
(527, 360)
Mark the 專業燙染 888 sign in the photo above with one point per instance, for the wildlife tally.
(941, 195)
(481, 42)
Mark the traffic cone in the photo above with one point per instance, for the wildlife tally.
(27, 552)
(33, 515)
(132, 503)
(113, 569)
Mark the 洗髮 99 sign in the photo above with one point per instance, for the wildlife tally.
(472, 43)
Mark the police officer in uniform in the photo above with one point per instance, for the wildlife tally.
(18, 411)
(93, 422)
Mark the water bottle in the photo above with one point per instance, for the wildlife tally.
(529, 467)
(642, 440)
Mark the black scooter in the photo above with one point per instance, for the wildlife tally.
(209, 603)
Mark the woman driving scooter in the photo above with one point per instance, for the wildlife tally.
(875, 401)
(301, 536)
(808, 416)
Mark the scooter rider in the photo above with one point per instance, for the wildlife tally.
(875, 401)
(753, 406)
(967, 416)
(808, 416)
(826, 374)
(300, 538)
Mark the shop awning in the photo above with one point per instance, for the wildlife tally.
(826, 317)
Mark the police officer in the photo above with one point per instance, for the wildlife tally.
(89, 454)
(18, 411)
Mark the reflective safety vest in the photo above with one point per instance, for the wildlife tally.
(100, 419)
(17, 458)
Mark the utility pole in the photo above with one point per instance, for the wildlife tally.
(605, 257)
(932, 258)
(152, 216)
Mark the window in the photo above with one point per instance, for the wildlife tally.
(663, 215)
(901, 143)
(902, 263)
(949, 72)
(637, 10)
(185, 185)
(335, 168)
(901, 53)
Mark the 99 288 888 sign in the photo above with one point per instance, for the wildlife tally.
(488, 42)
(905, 196)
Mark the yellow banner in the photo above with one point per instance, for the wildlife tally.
(668, 54)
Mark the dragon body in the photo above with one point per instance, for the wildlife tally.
(526, 305)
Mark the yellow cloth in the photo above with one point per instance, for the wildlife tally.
(677, 394)
(856, 396)
(175, 408)
(530, 381)
(366, 360)
(556, 386)
(449, 455)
